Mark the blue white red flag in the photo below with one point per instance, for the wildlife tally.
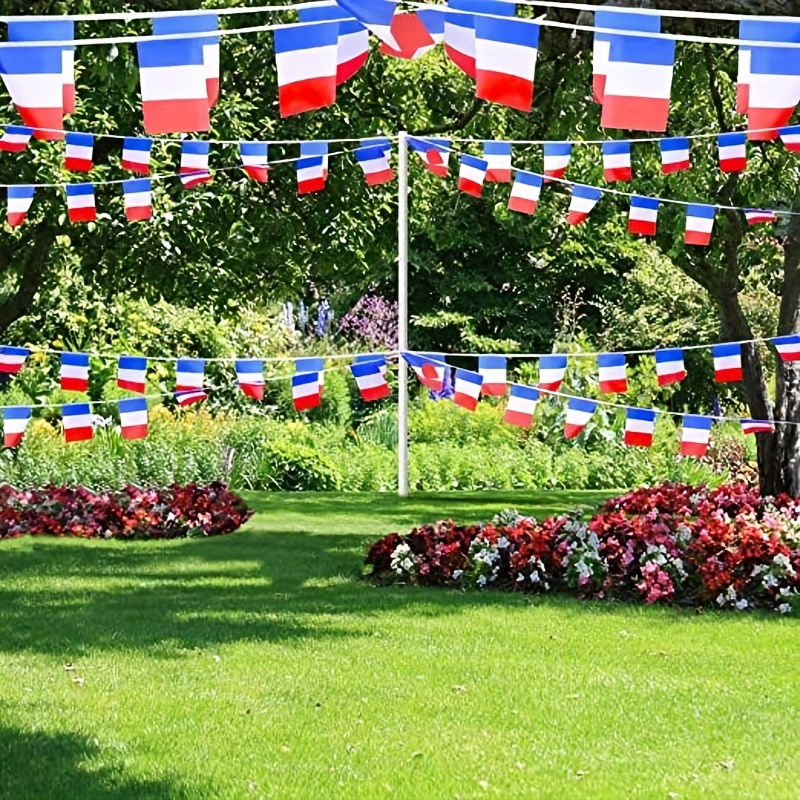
(434, 153)
(732, 152)
(497, 155)
(551, 372)
(136, 154)
(669, 366)
(374, 161)
(727, 362)
(77, 421)
(525, 192)
(352, 47)
(255, 160)
(20, 199)
(471, 174)
(411, 34)
(521, 406)
(640, 424)
(194, 163)
(556, 159)
(581, 203)
(78, 151)
(459, 29)
(74, 372)
(643, 216)
(699, 224)
(493, 370)
(250, 377)
(788, 347)
(675, 155)
(467, 389)
(695, 435)
(370, 378)
(138, 198)
(12, 359)
(579, 412)
(189, 381)
(15, 137)
(133, 418)
(132, 373)
(613, 373)
(617, 161)
(15, 423)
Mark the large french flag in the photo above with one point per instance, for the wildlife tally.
(640, 424)
(136, 154)
(306, 390)
(416, 33)
(459, 29)
(312, 167)
(255, 160)
(521, 406)
(190, 374)
(743, 77)
(556, 159)
(137, 194)
(551, 372)
(727, 362)
(194, 163)
(675, 155)
(471, 174)
(498, 157)
(695, 435)
(581, 203)
(434, 154)
(579, 412)
(790, 136)
(132, 373)
(505, 61)
(370, 377)
(74, 372)
(643, 216)
(133, 418)
(732, 152)
(80, 202)
(617, 161)
(374, 162)
(613, 373)
(525, 192)
(12, 359)
(699, 224)
(788, 347)
(77, 421)
(352, 44)
(428, 368)
(493, 370)
(15, 423)
(15, 137)
(669, 366)
(750, 426)
(250, 377)
(467, 389)
(19, 203)
(376, 15)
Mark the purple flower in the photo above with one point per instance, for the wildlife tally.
(447, 387)
(371, 323)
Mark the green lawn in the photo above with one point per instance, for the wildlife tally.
(259, 665)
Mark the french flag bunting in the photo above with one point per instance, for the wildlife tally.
(732, 152)
(434, 154)
(743, 76)
(498, 157)
(579, 412)
(370, 378)
(699, 224)
(581, 203)
(136, 154)
(190, 374)
(467, 389)
(556, 159)
(493, 370)
(373, 358)
(774, 75)
(316, 366)
(433, 19)
(640, 424)
(250, 377)
(669, 366)
(471, 174)
(80, 202)
(132, 373)
(138, 198)
(613, 373)
(618, 20)
(727, 362)
(788, 348)
(78, 422)
(638, 84)
(352, 46)
(617, 161)
(306, 390)
(695, 435)
(758, 216)
(15, 423)
(750, 426)
(429, 369)
(306, 58)
(255, 160)
(172, 78)
(197, 23)
(74, 372)
(194, 163)
(505, 61)
(133, 418)
(312, 167)
(525, 192)
(375, 15)
(459, 29)
(15, 137)
(20, 199)
(78, 152)
(12, 359)
(521, 406)
(790, 136)
(374, 161)
(411, 34)
(643, 216)
(551, 372)
(675, 155)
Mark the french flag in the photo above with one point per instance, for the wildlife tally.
(643, 216)
(19, 203)
(255, 160)
(581, 203)
(74, 372)
(493, 370)
(788, 347)
(695, 435)
(80, 202)
(316, 366)
(375, 15)
(617, 161)
(15, 137)
(758, 216)
(505, 61)
(459, 29)
(78, 152)
(189, 380)
(374, 161)
(640, 424)
(669, 366)
(675, 155)
(699, 224)
(750, 426)
(250, 377)
(613, 373)
(132, 373)
(411, 34)
(790, 136)
(732, 152)
(434, 154)
(307, 59)
(306, 390)
(370, 378)
(743, 76)
(467, 389)
(352, 45)
(471, 174)
(15, 423)
(138, 199)
(372, 358)
(136, 154)
(638, 84)
(77, 421)
(133, 418)
(194, 163)
(551, 372)
(498, 157)
(312, 167)
(727, 362)
(172, 78)
(579, 412)
(525, 192)
(12, 359)
(521, 406)
(556, 159)
(428, 369)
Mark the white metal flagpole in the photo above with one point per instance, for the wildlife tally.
(402, 313)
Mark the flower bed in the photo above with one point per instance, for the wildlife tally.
(683, 545)
(179, 511)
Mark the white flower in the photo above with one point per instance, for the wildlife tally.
(482, 581)
(742, 604)
(521, 577)
(457, 573)
(770, 581)
(721, 599)
(535, 577)
(503, 542)
(731, 594)
(782, 561)
(784, 608)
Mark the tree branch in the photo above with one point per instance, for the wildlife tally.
(456, 125)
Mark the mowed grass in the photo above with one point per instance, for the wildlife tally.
(260, 665)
